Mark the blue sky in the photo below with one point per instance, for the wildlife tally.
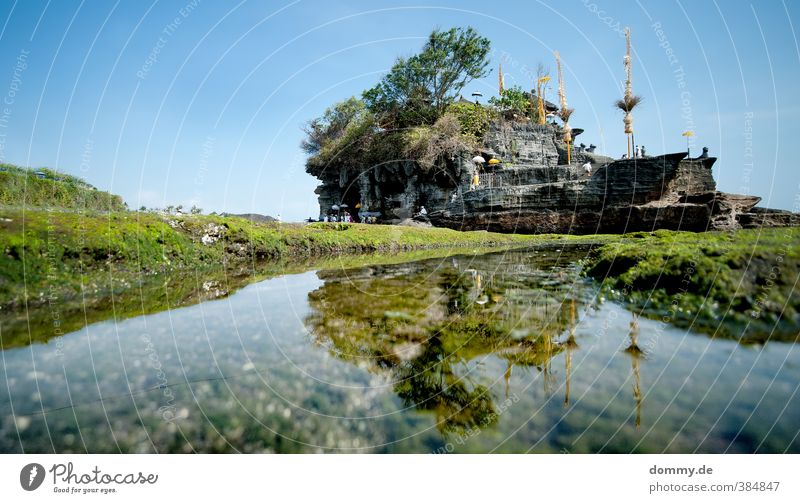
(201, 102)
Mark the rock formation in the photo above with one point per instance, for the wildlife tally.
(534, 190)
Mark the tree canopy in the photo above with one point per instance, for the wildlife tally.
(418, 89)
(333, 124)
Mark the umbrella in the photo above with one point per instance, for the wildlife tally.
(478, 158)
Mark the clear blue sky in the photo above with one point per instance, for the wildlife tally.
(214, 119)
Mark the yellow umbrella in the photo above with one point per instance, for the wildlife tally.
(494, 161)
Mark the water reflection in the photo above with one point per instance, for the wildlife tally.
(571, 345)
(636, 354)
(506, 352)
(429, 326)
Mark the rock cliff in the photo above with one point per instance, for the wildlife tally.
(534, 190)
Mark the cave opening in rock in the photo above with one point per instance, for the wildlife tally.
(352, 198)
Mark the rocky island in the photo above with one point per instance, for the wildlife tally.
(507, 166)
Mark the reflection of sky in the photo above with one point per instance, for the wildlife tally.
(257, 381)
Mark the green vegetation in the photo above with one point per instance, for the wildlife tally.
(412, 113)
(429, 144)
(741, 285)
(336, 124)
(114, 294)
(515, 103)
(474, 119)
(47, 188)
(418, 90)
(62, 251)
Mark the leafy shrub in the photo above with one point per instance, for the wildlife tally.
(514, 102)
(473, 119)
(430, 144)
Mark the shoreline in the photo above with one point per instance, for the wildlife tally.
(88, 267)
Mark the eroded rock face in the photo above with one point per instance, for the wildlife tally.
(534, 190)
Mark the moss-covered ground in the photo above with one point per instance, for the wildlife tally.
(738, 284)
(60, 269)
(741, 284)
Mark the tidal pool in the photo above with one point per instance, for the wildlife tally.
(502, 352)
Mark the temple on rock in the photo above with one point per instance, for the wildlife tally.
(406, 152)
(532, 189)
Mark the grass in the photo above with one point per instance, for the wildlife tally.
(47, 188)
(68, 254)
(739, 284)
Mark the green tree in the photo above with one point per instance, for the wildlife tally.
(514, 101)
(418, 90)
(333, 124)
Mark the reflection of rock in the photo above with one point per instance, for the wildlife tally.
(423, 322)
(213, 290)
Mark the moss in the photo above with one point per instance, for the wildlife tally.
(734, 284)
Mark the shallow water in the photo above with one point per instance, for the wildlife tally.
(503, 352)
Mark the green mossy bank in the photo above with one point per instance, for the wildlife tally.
(741, 284)
(47, 188)
(84, 267)
(57, 252)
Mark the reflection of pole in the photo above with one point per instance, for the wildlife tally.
(637, 390)
(635, 353)
(571, 345)
(569, 371)
(507, 377)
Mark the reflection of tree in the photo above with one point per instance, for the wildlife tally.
(423, 323)
(636, 354)
(430, 382)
